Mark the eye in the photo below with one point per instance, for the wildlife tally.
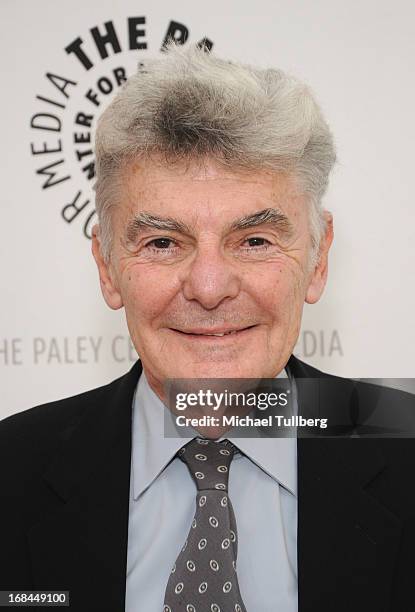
(160, 243)
(256, 241)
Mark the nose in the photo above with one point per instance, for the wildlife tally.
(210, 278)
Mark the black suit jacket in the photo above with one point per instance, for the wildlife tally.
(64, 495)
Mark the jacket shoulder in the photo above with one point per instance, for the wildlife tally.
(301, 369)
(46, 423)
(367, 389)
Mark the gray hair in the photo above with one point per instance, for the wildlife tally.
(189, 103)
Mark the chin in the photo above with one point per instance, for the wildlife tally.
(223, 370)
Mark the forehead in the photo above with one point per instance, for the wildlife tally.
(196, 189)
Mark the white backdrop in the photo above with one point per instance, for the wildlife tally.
(57, 337)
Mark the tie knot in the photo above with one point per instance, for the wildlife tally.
(208, 462)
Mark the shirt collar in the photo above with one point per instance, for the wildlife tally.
(152, 451)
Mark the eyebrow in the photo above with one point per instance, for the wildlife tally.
(144, 220)
(269, 216)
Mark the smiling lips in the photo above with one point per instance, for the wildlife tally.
(217, 333)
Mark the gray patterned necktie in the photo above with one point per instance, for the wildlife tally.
(204, 578)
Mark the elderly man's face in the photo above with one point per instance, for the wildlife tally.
(212, 285)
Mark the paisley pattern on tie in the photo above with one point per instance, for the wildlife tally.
(204, 577)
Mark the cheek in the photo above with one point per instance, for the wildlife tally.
(146, 294)
(279, 292)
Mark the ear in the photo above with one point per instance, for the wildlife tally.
(319, 274)
(109, 289)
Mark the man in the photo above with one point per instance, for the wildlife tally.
(210, 176)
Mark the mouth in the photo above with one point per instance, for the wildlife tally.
(213, 334)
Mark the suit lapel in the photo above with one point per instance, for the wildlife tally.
(347, 540)
(81, 544)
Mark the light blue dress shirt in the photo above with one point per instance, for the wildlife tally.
(263, 491)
